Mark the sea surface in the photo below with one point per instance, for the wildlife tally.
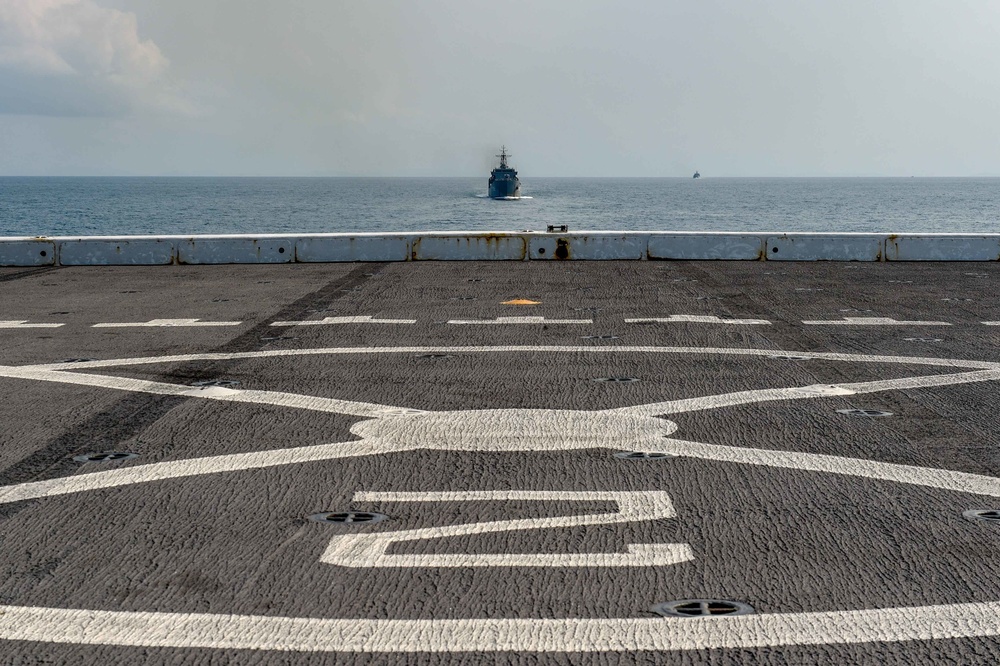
(115, 206)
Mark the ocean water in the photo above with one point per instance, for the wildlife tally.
(114, 206)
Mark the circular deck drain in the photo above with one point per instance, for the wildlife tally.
(864, 412)
(789, 357)
(598, 337)
(215, 382)
(619, 380)
(987, 515)
(900, 281)
(105, 456)
(923, 340)
(463, 298)
(76, 360)
(701, 608)
(643, 455)
(348, 517)
(474, 280)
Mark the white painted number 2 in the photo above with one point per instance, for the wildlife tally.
(370, 550)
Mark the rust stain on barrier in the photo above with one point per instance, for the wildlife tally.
(562, 248)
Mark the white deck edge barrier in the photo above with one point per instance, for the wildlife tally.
(494, 246)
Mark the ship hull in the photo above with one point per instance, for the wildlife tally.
(505, 189)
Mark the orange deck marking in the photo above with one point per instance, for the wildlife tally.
(520, 301)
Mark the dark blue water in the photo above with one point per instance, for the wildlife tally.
(104, 206)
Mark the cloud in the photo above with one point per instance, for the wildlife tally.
(74, 57)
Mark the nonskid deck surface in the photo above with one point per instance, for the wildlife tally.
(817, 438)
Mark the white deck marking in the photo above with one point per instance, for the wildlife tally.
(929, 477)
(801, 392)
(699, 319)
(176, 469)
(518, 320)
(873, 321)
(154, 323)
(369, 550)
(516, 349)
(302, 634)
(362, 319)
(293, 400)
(992, 323)
(400, 429)
(23, 323)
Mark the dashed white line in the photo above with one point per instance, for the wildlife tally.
(362, 319)
(162, 323)
(23, 323)
(873, 321)
(699, 319)
(519, 320)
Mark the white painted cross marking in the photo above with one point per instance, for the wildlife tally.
(390, 430)
(166, 323)
(520, 320)
(363, 319)
(873, 321)
(23, 323)
(369, 550)
(699, 319)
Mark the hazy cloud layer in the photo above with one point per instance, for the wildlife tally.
(74, 57)
(433, 87)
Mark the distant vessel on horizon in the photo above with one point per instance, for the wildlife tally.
(696, 175)
(503, 182)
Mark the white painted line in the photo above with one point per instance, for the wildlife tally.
(992, 323)
(799, 392)
(520, 320)
(572, 635)
(699, 319)
(365, 319)
(23, 323)
(293, 400)
(370, 549)
(874, 321)
(166, 323)
(401, 429)
(929, 477)
(176, 469)
(731, 399)
(515, 350)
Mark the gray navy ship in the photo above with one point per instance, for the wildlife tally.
(503, 180)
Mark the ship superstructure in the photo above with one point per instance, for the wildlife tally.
(503, 182)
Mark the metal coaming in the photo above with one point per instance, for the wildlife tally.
(487, 246)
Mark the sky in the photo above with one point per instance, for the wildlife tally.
(434, 87)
